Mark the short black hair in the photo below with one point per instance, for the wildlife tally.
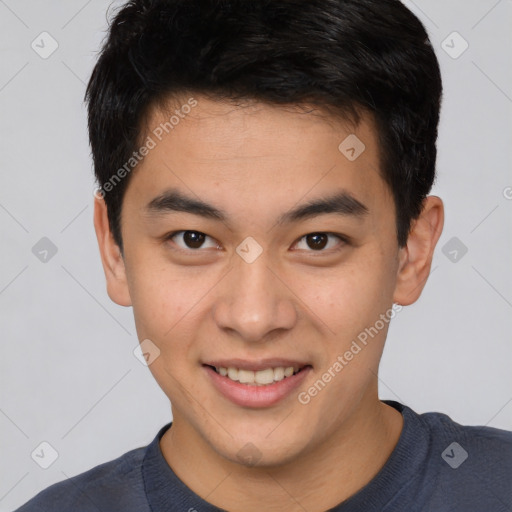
(348, 57)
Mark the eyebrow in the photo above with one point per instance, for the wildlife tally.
(341, 203)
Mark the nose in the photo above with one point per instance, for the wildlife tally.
(255, 301)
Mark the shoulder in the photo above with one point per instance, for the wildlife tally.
(480, 442)
(471, 465)
(113, 485)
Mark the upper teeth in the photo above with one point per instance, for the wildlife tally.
(260, 377)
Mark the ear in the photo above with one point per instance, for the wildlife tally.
(415, 259)
(111, 257)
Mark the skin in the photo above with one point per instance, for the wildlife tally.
(295, 301)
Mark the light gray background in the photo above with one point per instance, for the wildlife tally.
(68, 373)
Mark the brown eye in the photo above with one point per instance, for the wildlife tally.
(316, 242)
(190, 240)
(193, 239)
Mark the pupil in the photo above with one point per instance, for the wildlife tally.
(193, 239)
(319, 240)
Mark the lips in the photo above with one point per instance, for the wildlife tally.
(238, 380)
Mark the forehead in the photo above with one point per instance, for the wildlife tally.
(236, 127)
(256, 153)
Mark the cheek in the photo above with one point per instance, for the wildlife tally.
(160, 300)
(165, 311)
(348, 298)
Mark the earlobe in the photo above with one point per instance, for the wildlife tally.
(416, 257)
(111, 257)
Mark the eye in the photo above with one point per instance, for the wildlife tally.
(319, 241)
(190, 240)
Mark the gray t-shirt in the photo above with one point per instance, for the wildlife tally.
(436, 466)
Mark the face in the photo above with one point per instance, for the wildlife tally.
(227, 266)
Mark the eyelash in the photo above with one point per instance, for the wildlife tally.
(344, 239)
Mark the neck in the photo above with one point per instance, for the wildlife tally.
(317, 480)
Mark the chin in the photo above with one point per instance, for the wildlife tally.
(252, 456)
(260, 450)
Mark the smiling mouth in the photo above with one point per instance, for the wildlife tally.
(263, 377)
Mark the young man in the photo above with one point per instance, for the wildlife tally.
(264, 169)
